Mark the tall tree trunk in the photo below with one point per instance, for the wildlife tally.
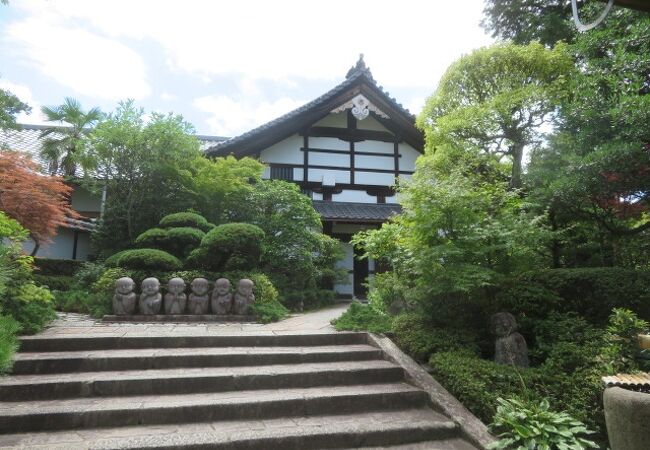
(517, 152)
(37, 245)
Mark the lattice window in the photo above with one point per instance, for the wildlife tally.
(281, 172)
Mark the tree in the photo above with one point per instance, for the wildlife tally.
(10, 107)
(495, 100)
(64, 148)
(39, 203)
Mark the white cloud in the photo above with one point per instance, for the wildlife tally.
(86, 62)
(409, 43)
(166, 96)
(229, 117)
(25, 95)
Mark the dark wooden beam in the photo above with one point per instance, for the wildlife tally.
(347, 152)
(351, 135)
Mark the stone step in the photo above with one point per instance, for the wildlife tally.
(410, 427)
(194, 380)
(167, 358)
(192, 408)
(442, 444)
(108, 341)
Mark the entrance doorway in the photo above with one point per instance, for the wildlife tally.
(361, 271)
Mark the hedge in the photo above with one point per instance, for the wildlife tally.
(58, 283)
(590, 292)
(232, 246)
(152, 238)
(186, 219)
(49, 266)
(144, 259)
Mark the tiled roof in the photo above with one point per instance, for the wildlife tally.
(28, 139)
(354, 75)
(80, 225)
(367, 212)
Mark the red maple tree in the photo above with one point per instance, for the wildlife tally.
(40, 203)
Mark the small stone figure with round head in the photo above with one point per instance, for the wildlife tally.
(510, 346)
(150, 298)
(199, 299)
(124, 300)
(175, 298)
(221, 297)
(244, 297)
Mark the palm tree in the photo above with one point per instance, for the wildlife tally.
(63, 146)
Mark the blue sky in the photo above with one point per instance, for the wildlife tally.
(226, 66)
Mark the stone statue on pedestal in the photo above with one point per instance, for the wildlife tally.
(221, 297)
(175, 298)
(199, 299)
(244, 297)
(150, 298)
(124, 300)
(510, 346)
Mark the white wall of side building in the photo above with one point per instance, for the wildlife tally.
(62, 245)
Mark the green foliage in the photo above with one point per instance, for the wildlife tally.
(10, 107)
(231, 246)
(533, 426)
(9, 328)
(363, 318)
(495, 99)
(65, 267)
(144, 259)
(185, 220)
(269, 311)
(31, 306)
(54, 282)
(419, 338)
(179, 241)
(152, 238)
(621, 343)
(590, 292)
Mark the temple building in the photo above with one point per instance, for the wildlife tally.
(346, 149)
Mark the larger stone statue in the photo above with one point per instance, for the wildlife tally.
(150, 298)
(199, 299)
(175, 298)
(244, 297)
(124, 300)
(221, 297)
(510, 346)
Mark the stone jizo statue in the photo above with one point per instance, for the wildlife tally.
(244, 297)
(510, 346)
(124, 300)
(150, 298)
(221, 297)
(175, 298)
(199, 300)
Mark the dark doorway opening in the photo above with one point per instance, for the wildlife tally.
(361, 270)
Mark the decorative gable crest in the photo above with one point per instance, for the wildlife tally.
(361, 108)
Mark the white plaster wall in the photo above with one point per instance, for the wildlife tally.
(334, 120)
(329, 159)
(62, 245)
(375, 179)
(83, 200)
(267, 173)
(349, 228)
(349, 195)
(409, 155)
(339, 175)
(347, 263)
(375, 146)
(286, 151)
(370, 123)
(374, 162)
(328, 143)
(316, 196)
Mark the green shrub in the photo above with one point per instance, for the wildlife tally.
(78, 301)
(31, 306)
(621, 348)
(186, 219)
(532, 425)
(9, 328)
(232, 246)
(417, 337)
(54, 282)
(182, 240)
(590, 292)
(152, 238)
(359, 317)
(49, 266)
(144, 259)
(87, 274)
(269, 311)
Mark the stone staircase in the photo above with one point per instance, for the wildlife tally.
(251, 391)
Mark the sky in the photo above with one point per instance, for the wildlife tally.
(226, 66)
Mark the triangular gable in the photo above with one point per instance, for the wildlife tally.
(359, 93)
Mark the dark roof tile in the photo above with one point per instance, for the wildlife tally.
(368, 212)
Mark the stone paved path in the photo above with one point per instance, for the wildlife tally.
(311, 322)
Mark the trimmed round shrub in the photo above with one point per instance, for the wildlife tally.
(182, 240)
(186, 219)
(144, 259)
(152, 238)
(232, 246)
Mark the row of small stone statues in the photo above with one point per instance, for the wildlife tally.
(150, 300)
